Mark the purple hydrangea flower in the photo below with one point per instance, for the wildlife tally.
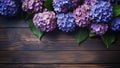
(66, 22)
(99, 29)
(115, 26)
(33, 6)
(101, 12)
(65, 5)
(8, 7)
(82, 13)
(45, 21)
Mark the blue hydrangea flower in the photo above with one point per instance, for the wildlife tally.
(65, 22)
(115, 26)
(101, 12)
(8, 7)
(65, 5)
(61, 5)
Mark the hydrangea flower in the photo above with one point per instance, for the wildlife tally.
(82, 13)
(101, 12)
(8, 7)
(61, 5)
(115, 26)
(65, 5)
(45, 21)
(33, 6)
(99, 29)
(66, 22)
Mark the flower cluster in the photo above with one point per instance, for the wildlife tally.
(81, 15)
(99, 29)
(45, 21)
(96, 15)
(65, 5)
(91, 17)
(66, 22)
(67, 14)
(8, 7)
(101, 12)
(33, 6)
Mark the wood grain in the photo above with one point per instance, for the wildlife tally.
(89, 66)
(59, 65)
(59, 57)
(23, 39)
(20, 48)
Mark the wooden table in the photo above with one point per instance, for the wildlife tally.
(20, 48)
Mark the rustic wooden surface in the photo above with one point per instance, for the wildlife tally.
(19, 48)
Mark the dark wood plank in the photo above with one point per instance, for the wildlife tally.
(89, 66)
(23, 39)
(28, 66)
(59, 57)
(60, 65)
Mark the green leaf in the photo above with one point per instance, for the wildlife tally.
(116, 9)
(81, 35)
(36, 31)
(108, 38)
(92, 34)
(48, 4)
